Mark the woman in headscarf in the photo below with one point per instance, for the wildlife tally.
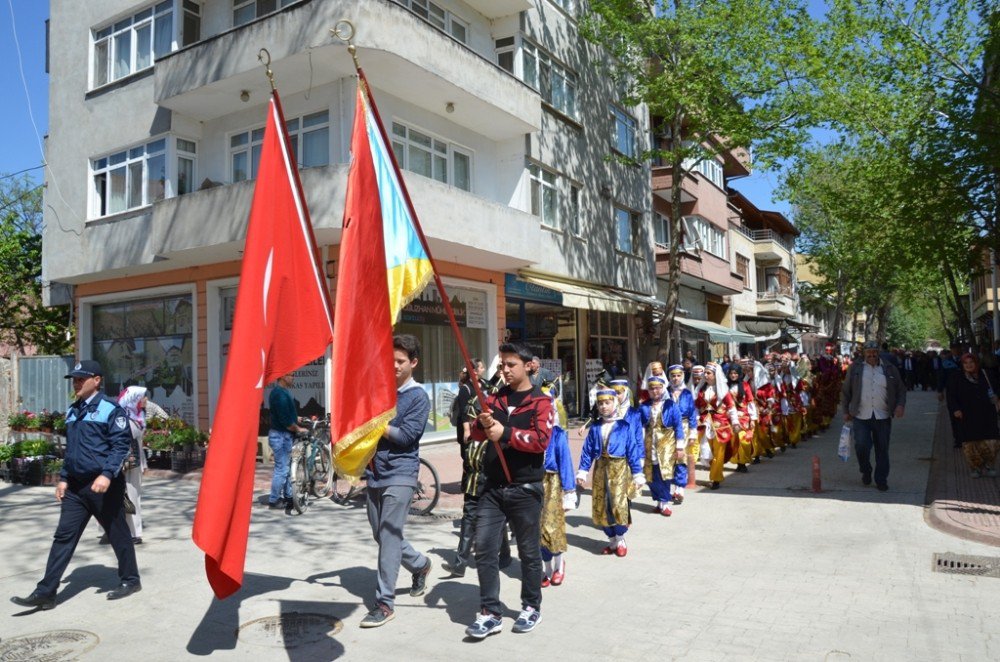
(717, 413)
(133, 400)
(743, 401)
(972, 402)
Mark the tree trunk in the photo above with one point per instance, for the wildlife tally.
(958, 303)
(838, 308)
(667, 353)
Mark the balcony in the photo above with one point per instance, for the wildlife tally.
(776, 303)
(492, 9)
(400, 53)
(662, 183)
(701, 270)
(768, 244)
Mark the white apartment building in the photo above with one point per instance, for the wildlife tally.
(501, 116)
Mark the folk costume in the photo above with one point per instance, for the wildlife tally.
(614, 449)
(684, 400)
(718, 414)
(791, 405)
(663, 434)
(559, 497)
(746, 410)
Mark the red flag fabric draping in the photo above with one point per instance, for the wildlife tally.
(282, 321)
(363, 384)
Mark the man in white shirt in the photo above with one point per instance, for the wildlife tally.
(873, 393)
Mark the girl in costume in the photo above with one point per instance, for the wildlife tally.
(664, 442)
(614, 448)
(688, 443)
(559, 497)
(718, 414)
(745, 410)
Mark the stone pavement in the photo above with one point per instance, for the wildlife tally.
(957, 503)
(762, 569)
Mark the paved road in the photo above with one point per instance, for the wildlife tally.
(761, 570)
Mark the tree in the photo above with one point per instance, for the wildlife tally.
(24, 322)
(718, 76)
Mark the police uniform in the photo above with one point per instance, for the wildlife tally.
(98, 438)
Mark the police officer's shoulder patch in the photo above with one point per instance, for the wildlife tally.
(121, 422)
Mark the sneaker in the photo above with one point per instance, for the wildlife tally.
(276, 505)
(380, 615)
(527, 620)
(453, 570)
(485, 625)
(975, 473)
(419, 586)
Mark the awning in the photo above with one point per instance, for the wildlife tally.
(593, 297)
(716, 332)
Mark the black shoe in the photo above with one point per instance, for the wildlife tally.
(124, 590)
(769, 453)
(456, 570)
(882, 487)
(36, 599)
(419, 585)
(866, 478)
(277, 505)
(742, 469)
(380, 615)
(756, 460)
(137, 541)
(716, 485)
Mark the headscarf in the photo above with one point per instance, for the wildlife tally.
(698, 370)
(129, 400)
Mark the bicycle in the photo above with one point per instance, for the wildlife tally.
(311, 466)
(425, 496)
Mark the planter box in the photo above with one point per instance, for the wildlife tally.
(158, 460)
(33, 473)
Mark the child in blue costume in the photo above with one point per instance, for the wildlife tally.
(664, 441)
(614, 448)
(560, 496)
(684, 401)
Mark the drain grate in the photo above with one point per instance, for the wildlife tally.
(966, 564)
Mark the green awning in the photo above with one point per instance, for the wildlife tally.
(716, 332)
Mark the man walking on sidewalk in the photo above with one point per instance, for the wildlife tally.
(280, 438)
(518, 420)
(872, 394)
(91, 484)
(392, 477)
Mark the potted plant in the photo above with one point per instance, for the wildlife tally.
(59, 423)
(17, 420)
(32, 421)
(46, 421)
(53, 466)
(34, 453)
(6, 457)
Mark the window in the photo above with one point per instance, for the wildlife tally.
(555, 83)
(623, 137)
(309, 137)
(432, 157)
(131, 44)
(661, 230)
(626, 229)
(440, 18)
(544, 196)
(245, 11)
(567, 6)
(708, 237)
(129, 179)
(505, 51)
(743, 269)
(191, 25)
(709, 167)
(141, 175)
(775, 281)
(573, 219)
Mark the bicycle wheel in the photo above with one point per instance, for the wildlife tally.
(320, 479)
(342, 491)
(425, 497)
(300, 479)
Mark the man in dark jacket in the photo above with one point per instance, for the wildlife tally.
(873, 393)
(391, 477)
(517, 422)
(91, 484)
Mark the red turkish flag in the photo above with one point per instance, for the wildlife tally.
(282, 321)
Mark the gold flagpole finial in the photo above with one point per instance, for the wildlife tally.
(344, 31)
(264, 57)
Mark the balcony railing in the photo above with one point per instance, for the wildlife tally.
(765, 235)
(775, 295)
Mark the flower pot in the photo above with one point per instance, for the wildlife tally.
(180, 461)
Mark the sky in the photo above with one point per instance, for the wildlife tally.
(20, 143)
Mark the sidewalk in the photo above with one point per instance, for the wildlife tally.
(957, 503)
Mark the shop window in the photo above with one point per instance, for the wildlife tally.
(148, 342)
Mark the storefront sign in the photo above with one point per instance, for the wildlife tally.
(469, 307)
(594, 368)
(520, 289)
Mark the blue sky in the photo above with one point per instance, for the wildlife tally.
(20, 148)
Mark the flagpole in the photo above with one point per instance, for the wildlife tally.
(346, 36)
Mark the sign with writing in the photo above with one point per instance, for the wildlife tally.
(468, 305)
(521, 289)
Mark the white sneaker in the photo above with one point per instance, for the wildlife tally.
(527, 620)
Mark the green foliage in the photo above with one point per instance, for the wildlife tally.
(6, 452)
(912, 324)
(24, 321)
(35, 448)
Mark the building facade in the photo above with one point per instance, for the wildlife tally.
(500, 114)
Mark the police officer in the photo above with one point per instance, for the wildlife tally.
(91, 485)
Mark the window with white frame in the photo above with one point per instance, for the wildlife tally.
(506, 51)
(555, 83)
(131, 44)
(439, 17)
(544, 195)
(661, 230)
(308, 135)
(568, 6)
(573, 219)
(709, 237)
(129, 179)
(709, 167)
(432, 157)
(186, 159)
(626, 230)
(623, 137)
(245, 11)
